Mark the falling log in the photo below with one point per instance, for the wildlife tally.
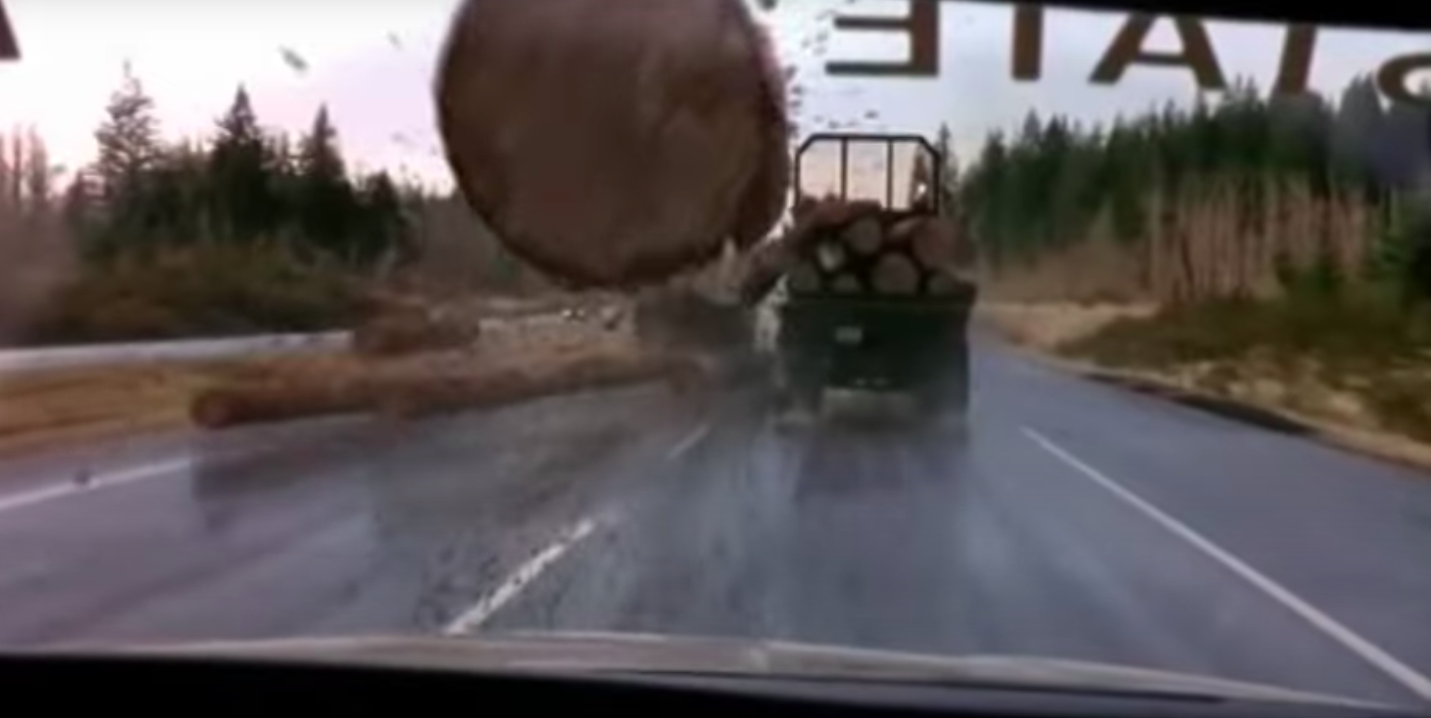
(896, 275)
(763, 268)
(681, 143)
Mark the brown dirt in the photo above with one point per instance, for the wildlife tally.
(48, 409)
(1046, 326)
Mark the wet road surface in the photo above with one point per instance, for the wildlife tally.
(1074, 520)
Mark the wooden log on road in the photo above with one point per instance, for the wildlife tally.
(245, 403)
(576, 372)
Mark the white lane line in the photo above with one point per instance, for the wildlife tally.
(474, 617)
(1364, 649)
(690, 441)
(95, 483)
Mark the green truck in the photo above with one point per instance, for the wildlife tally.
(870, 305)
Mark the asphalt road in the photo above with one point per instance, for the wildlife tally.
(1075, 520)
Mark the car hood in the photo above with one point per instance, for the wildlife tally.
(655, 655)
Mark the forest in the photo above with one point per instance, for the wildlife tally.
(1284, 244)
(245, 230)
(1230, 198)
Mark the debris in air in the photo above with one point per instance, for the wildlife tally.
(293, 59)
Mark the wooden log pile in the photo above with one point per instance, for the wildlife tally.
(855, 249)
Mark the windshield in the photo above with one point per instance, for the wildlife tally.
(950, 328)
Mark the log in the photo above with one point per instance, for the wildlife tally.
(615, 142)
(224, 407)
(863, 236)
(933, 243)
(419, 393)
(847, 284)
(903, 231)
(763, 268)
(945, 283)
(805, 278)
(831, 256)
(897, 275)
(942, 284)
(577, 372)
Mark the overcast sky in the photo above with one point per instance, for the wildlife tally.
(371, 61)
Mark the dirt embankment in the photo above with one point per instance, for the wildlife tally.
(1236, 362)
(1046, 326)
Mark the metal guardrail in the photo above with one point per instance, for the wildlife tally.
(18, 360)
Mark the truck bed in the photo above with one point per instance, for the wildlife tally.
(874, 344)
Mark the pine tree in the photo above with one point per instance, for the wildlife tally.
(384, 227)
(38, 175)
(326, 200)
(128, 138)
(242, 174)
(1359, 122)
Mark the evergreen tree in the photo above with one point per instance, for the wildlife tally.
(128, 138)
(242, 174)
(326, 199)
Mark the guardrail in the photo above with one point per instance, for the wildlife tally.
(18, 360)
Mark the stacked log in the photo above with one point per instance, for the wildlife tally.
(895, 274)
(804, 277)
(868, 252)
(863, 236)
(615, 142)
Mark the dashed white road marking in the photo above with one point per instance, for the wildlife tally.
(98, 482)
(689, 442)
(1364, 649)
(473, 618)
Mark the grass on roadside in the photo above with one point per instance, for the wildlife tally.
(201, 291)
(1342, 356)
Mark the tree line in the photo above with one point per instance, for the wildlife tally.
(244, 185)
(1216, 197)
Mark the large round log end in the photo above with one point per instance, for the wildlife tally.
(680, 145)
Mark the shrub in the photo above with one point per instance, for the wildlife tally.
(201, 291)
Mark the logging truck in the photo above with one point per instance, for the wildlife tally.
(870, 297)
